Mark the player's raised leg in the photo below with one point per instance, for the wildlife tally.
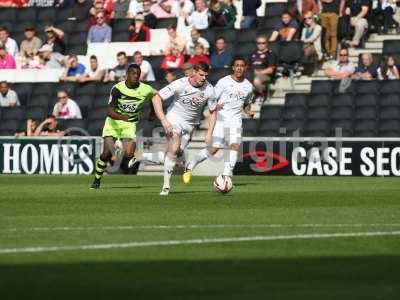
(173, 148)
(101, 163)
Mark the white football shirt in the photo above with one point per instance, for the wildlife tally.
(234, 95)
(189, 101)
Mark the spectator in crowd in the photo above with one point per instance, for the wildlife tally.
(50, 59)
(149, 18)
(120, 8)
(303, 6)
(387, 69)
(249, 18)
(199, 18)
(98, 7)
(119, 71)
(54, 38)
(9, 43)
(163, 9)
(169, 76)
(264, 62)
(286, 29)
(387, 8)
(93, 73)
(367, 70)
(311, 36)
(139, 30)
(358, 11)
(81, 8)
(194, 41)
(101, 32)
(200, 55)
(221, 58)
(31, 126)
(8, 97)
(331, 9)
(30, 45)
(341, 68)
(182, 8)
(187, 69)
(175, 40)
(173, 59)
(229, 12)
(73, 69)
(7, 61)
(147, 73)
(217, 18)
(135, 7)
(66, 108)
(49, 127)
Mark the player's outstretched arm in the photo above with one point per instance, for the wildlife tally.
(158, 109)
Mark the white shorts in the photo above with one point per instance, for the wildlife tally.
(227, 133)
(182, 129)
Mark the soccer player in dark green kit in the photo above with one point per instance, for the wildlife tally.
(125, 106)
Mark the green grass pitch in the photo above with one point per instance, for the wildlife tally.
(302, 238)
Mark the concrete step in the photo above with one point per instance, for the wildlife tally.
(382, 37)
(374, 45)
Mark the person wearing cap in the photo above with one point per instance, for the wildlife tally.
(139, 30)
(7, 61)
(50, 59)
(101, 32)
(54, 38)
(9, 43)
(31, 44)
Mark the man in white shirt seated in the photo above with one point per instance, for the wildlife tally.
(147, 73)
(342, 68)
(9, 43)
(194, 41)
(8, 98)
(66, 108)
(199, 18)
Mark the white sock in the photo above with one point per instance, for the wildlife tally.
(230, 164)
(169, 164)
(199, 157)
(154, 157)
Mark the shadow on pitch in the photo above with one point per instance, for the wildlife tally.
(368, 277)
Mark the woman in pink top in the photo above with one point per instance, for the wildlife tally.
(7, 61)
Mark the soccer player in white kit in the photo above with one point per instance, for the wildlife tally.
(234, 94)
(190, 95)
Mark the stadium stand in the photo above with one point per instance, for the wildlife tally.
(367, 108)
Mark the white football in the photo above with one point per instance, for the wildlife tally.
(223, 184)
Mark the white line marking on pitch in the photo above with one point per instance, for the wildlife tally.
(196, 241)
(211, 226)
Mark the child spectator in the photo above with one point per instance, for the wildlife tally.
(173, 59)
(7, 61)
(388, 69)
(199, 56)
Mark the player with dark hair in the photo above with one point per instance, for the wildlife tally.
(125, 105)
(190, 95)
(234, 92)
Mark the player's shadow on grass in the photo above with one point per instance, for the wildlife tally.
(368, 277)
